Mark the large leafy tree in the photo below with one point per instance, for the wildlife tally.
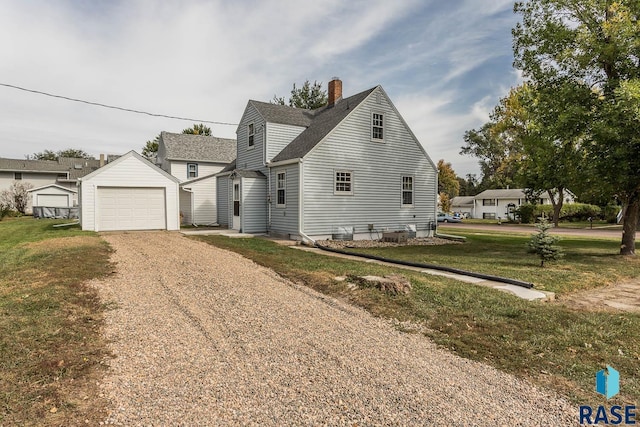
(55, 155)
(309, 96)
(498, 145)
(447, 179)
(594, 45)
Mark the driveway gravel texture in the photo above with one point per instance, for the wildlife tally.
(202, 336)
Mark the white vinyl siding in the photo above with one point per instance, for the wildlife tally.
(376, 170)
(251, 159)
(179, 169)
(253, 207)
(222, 201)
(284, 220)
(185, 207)
(203, 200)
(279, 136)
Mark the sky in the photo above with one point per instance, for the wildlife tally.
(444, 64)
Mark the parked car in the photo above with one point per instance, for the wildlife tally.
(443, 217)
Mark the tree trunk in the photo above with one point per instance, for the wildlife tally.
(629, 227)
(557, 206)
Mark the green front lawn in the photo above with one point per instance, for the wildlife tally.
(552, 345)
(588, 263)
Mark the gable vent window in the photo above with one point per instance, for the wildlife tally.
(281, 188)
(343, 183)
(407, 191)
(377, 127)
(192, 170)
(251, 134)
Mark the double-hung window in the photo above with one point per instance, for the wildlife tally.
(281, 189)
(488, 202)
(251, 133)
(192, 170)
(343, 183)
(407, 191)
(377, 127)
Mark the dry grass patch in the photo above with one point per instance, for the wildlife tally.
(51, 348)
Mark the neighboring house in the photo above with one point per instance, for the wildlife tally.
(350, 169)
(194, 160)
(502, 203)
(465, 205)
(63, 172)
(129, 193)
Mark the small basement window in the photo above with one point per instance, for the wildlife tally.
(488, 215)
(17, 176)
(281, 188)
(343, 183)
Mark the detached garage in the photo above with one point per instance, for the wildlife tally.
(129, 193)
(53, 196)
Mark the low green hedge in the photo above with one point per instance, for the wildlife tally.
(569, 212)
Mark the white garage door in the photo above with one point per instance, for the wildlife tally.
(52, 200)
(131, 209)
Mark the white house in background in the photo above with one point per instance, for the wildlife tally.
(53, 196)
(129, 193)
(63, 173)
(500, 203)
(350, 169)
(464, 204)
(194, 160)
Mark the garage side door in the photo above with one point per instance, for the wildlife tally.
(131, 209)
(52, 200)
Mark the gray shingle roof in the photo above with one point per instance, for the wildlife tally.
(181, 146)
(76, 167)
(462, 201)
(510, 193)
(275, 113)
(18, 165)
(324, 120)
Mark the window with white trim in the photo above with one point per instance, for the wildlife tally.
(192, 170)
(281, 189)
(377, 126)
(343, 182)
(488, 202)
(407, 191)
(251, 133)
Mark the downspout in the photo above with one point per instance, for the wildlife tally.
(264, 163)
(304, 237)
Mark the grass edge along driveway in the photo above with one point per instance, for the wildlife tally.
(549, 344)
(51, 348)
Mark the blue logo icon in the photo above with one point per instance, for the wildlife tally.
(608, 382)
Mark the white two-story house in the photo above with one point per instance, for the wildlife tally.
(194, 160)
(350, 169)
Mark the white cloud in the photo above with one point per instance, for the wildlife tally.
(205, 59)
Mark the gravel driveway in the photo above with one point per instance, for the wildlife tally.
(202, 336)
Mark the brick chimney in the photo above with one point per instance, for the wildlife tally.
(335, 90)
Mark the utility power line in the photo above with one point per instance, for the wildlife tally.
(116, 108)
